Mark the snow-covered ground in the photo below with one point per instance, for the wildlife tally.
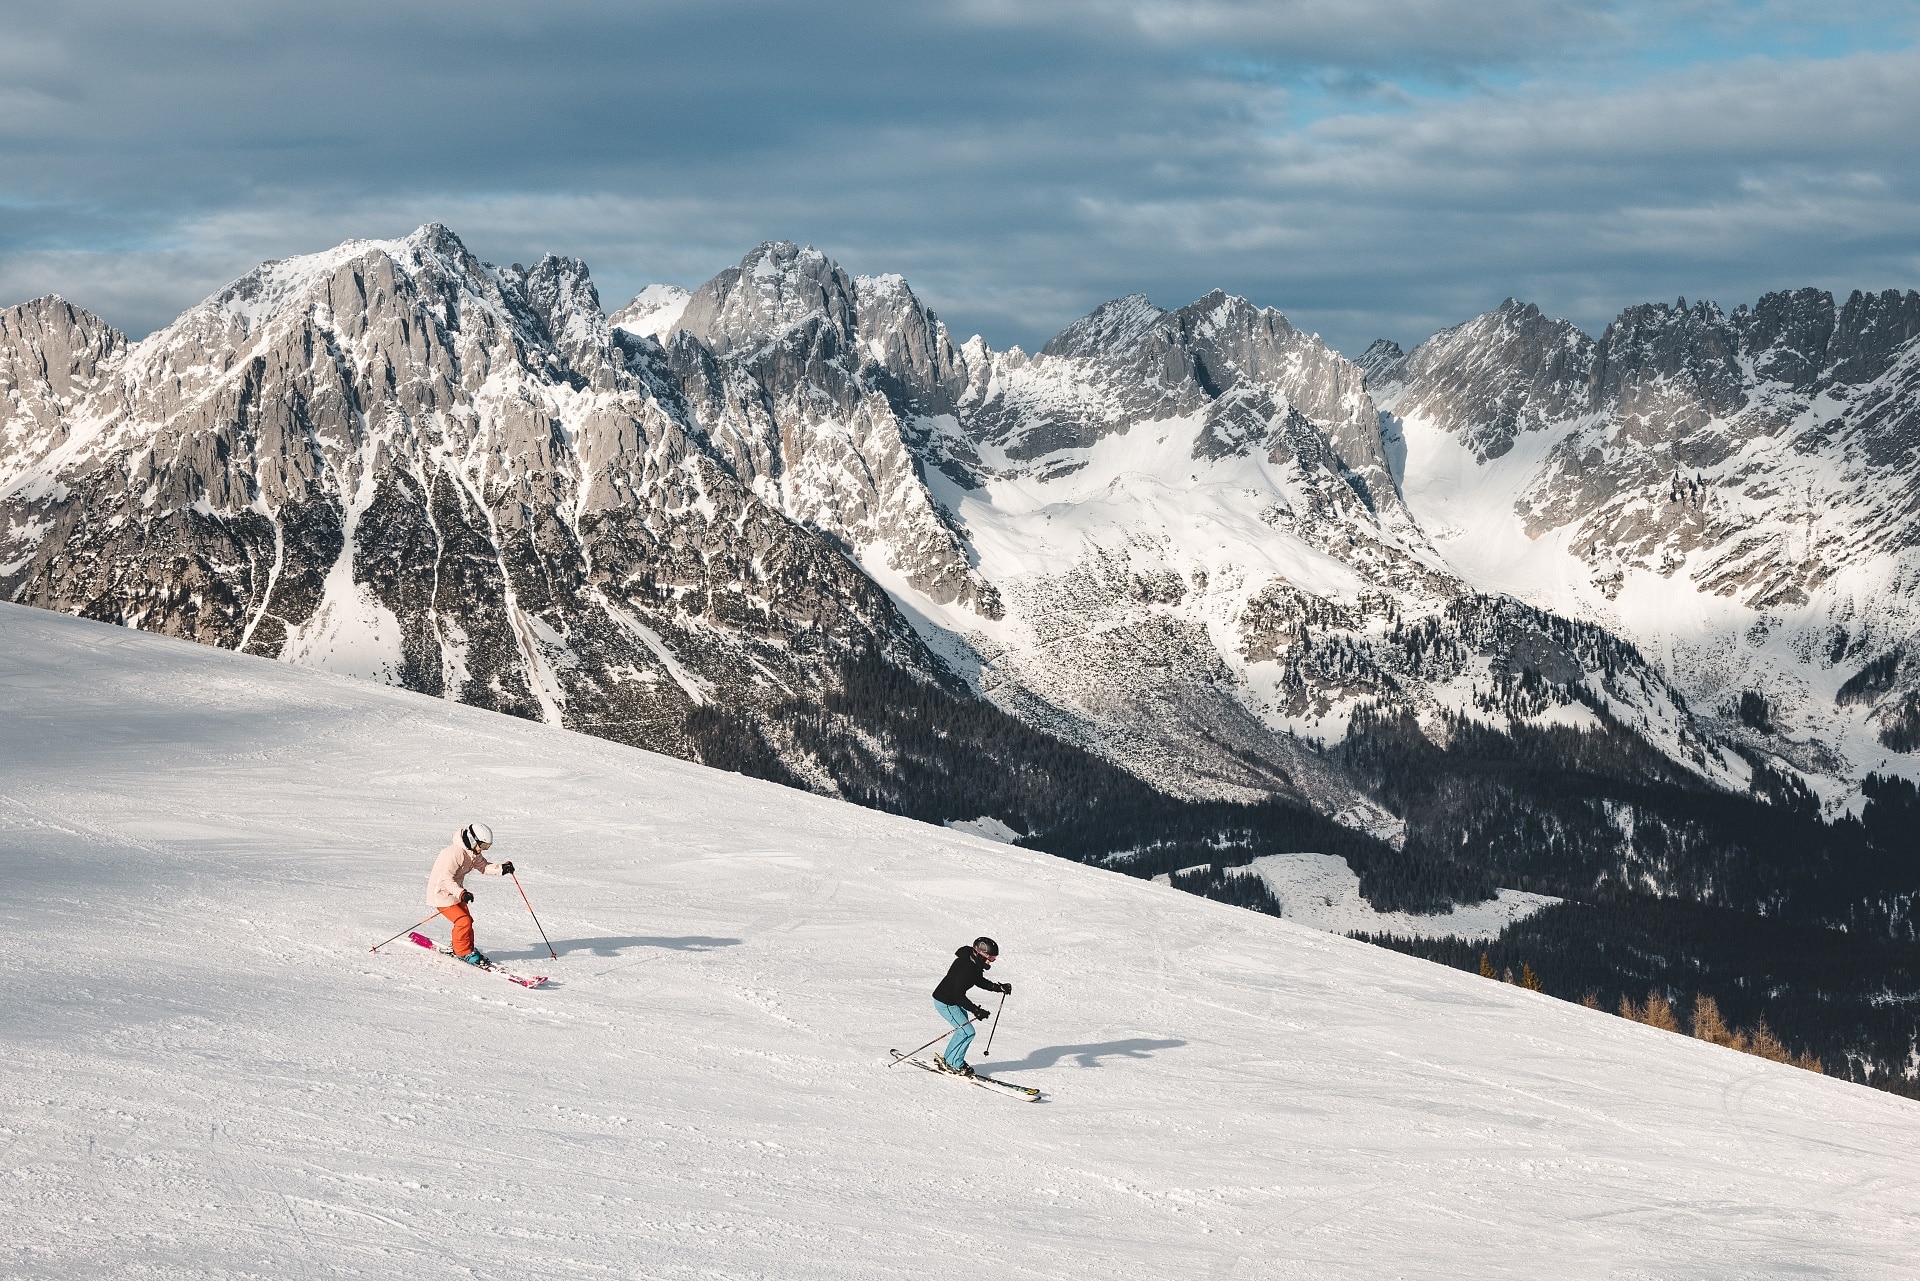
(205, 1073)
(1321, 891)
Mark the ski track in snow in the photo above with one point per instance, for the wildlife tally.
(207, 1074)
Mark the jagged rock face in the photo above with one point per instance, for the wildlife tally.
(50, 358)
(1080, 474)
(1735, 491)
(1130, 362)
(780, 360)
(1049, 505)
(775, 287)
(913, 358)
(1381, 353)
(394, 460)
(1486, 381)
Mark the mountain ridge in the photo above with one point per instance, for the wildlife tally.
(842, 404)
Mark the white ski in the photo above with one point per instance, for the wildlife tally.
(1025, 1093)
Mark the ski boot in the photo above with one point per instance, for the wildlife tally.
(474, 958)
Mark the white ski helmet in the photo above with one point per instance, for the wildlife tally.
(476, 835)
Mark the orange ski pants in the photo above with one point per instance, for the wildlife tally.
(462, 927)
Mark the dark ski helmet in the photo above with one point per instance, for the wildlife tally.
(987, 947)
(475, 835)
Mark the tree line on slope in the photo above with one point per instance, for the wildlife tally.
(1586, 814)
(1705, 1022)
(1844, 999)
(885, 740)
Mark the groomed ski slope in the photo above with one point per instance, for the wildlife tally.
(205, 1073)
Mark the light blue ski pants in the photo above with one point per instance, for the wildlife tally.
(956, 1052)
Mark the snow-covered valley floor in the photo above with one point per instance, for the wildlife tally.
(205, 1073)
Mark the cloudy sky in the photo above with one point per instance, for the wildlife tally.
(1371, 167)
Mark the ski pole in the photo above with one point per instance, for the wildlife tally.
(410, 929)
(949, 1032)
(997, 1010)
(536, 920)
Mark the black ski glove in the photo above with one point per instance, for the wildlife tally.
(981, 1015)
(466, 896)
(1007, 989)
(506, 868)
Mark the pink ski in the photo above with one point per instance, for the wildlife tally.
(524, 980)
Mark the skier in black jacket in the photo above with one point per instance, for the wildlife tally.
(968, 971)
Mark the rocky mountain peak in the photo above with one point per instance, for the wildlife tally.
(1758, 461)
(1378, 360)
(653, 313)
(1111, 327)
(1510, 370)
(1229, 342)
(432, 254)
(1787, 335)
(1871, 332)
(776, 287)
(1221, 314)
(1246, 369)
(918, 366)
(51, 357)
(561, 295)
(50, 347)
(1657, 359)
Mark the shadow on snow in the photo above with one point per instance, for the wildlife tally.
(1086, 1056)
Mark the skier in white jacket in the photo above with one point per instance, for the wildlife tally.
(447, 885)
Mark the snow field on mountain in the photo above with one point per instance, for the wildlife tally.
(1321, 891)
(1130, 483)
(1711, 647)
(1207, 533)
(653, 312)
(207, 1074)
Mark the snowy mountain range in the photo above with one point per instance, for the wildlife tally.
(1197, 542)
(1734, 493)
(396, 461)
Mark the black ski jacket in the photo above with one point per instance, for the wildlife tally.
(966, 972)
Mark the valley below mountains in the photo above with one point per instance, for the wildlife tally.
(1629, 621)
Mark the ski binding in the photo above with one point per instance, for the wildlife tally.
(524, 980)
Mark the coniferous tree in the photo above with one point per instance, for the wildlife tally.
(1658, 1012)
(1708, 1023)
(1766, 1045)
